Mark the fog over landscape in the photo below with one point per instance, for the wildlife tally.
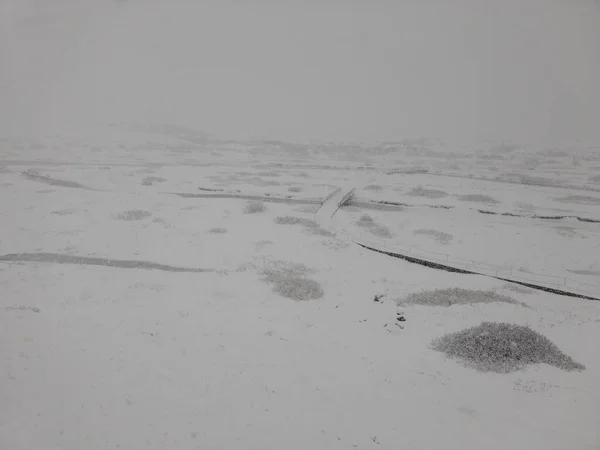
(334, 70)
(299, 224)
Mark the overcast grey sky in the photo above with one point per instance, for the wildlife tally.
(332, 69)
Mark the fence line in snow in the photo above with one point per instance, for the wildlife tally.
(498, 271)
(331, 194)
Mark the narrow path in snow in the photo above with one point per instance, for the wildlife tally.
(262, 198)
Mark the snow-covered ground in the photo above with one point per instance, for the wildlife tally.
(162, 164)
(464, 220)
(496, 195)
(98, 355)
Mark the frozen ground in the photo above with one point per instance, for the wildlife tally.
(132, 317)
(555, 248)
(166, 288)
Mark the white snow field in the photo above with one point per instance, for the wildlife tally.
(163, 287)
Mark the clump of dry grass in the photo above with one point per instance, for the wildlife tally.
(254, 207)
(454, 296)
(569, 232)
(295, 189)
(335, 245)
(518, 289)
(365, 219)
(321, 232)
(420, 191)
(480, 198)
(63, 212)
(373, 187)
(161, 221)
(262, 243)
(289, 280)
(299, 289)
(439, 236)
(150, 180)
(293, 220)
(381, 231)
(218, 230)
(503, 348)
(367, 222)
(133, 214)
(285, 268)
